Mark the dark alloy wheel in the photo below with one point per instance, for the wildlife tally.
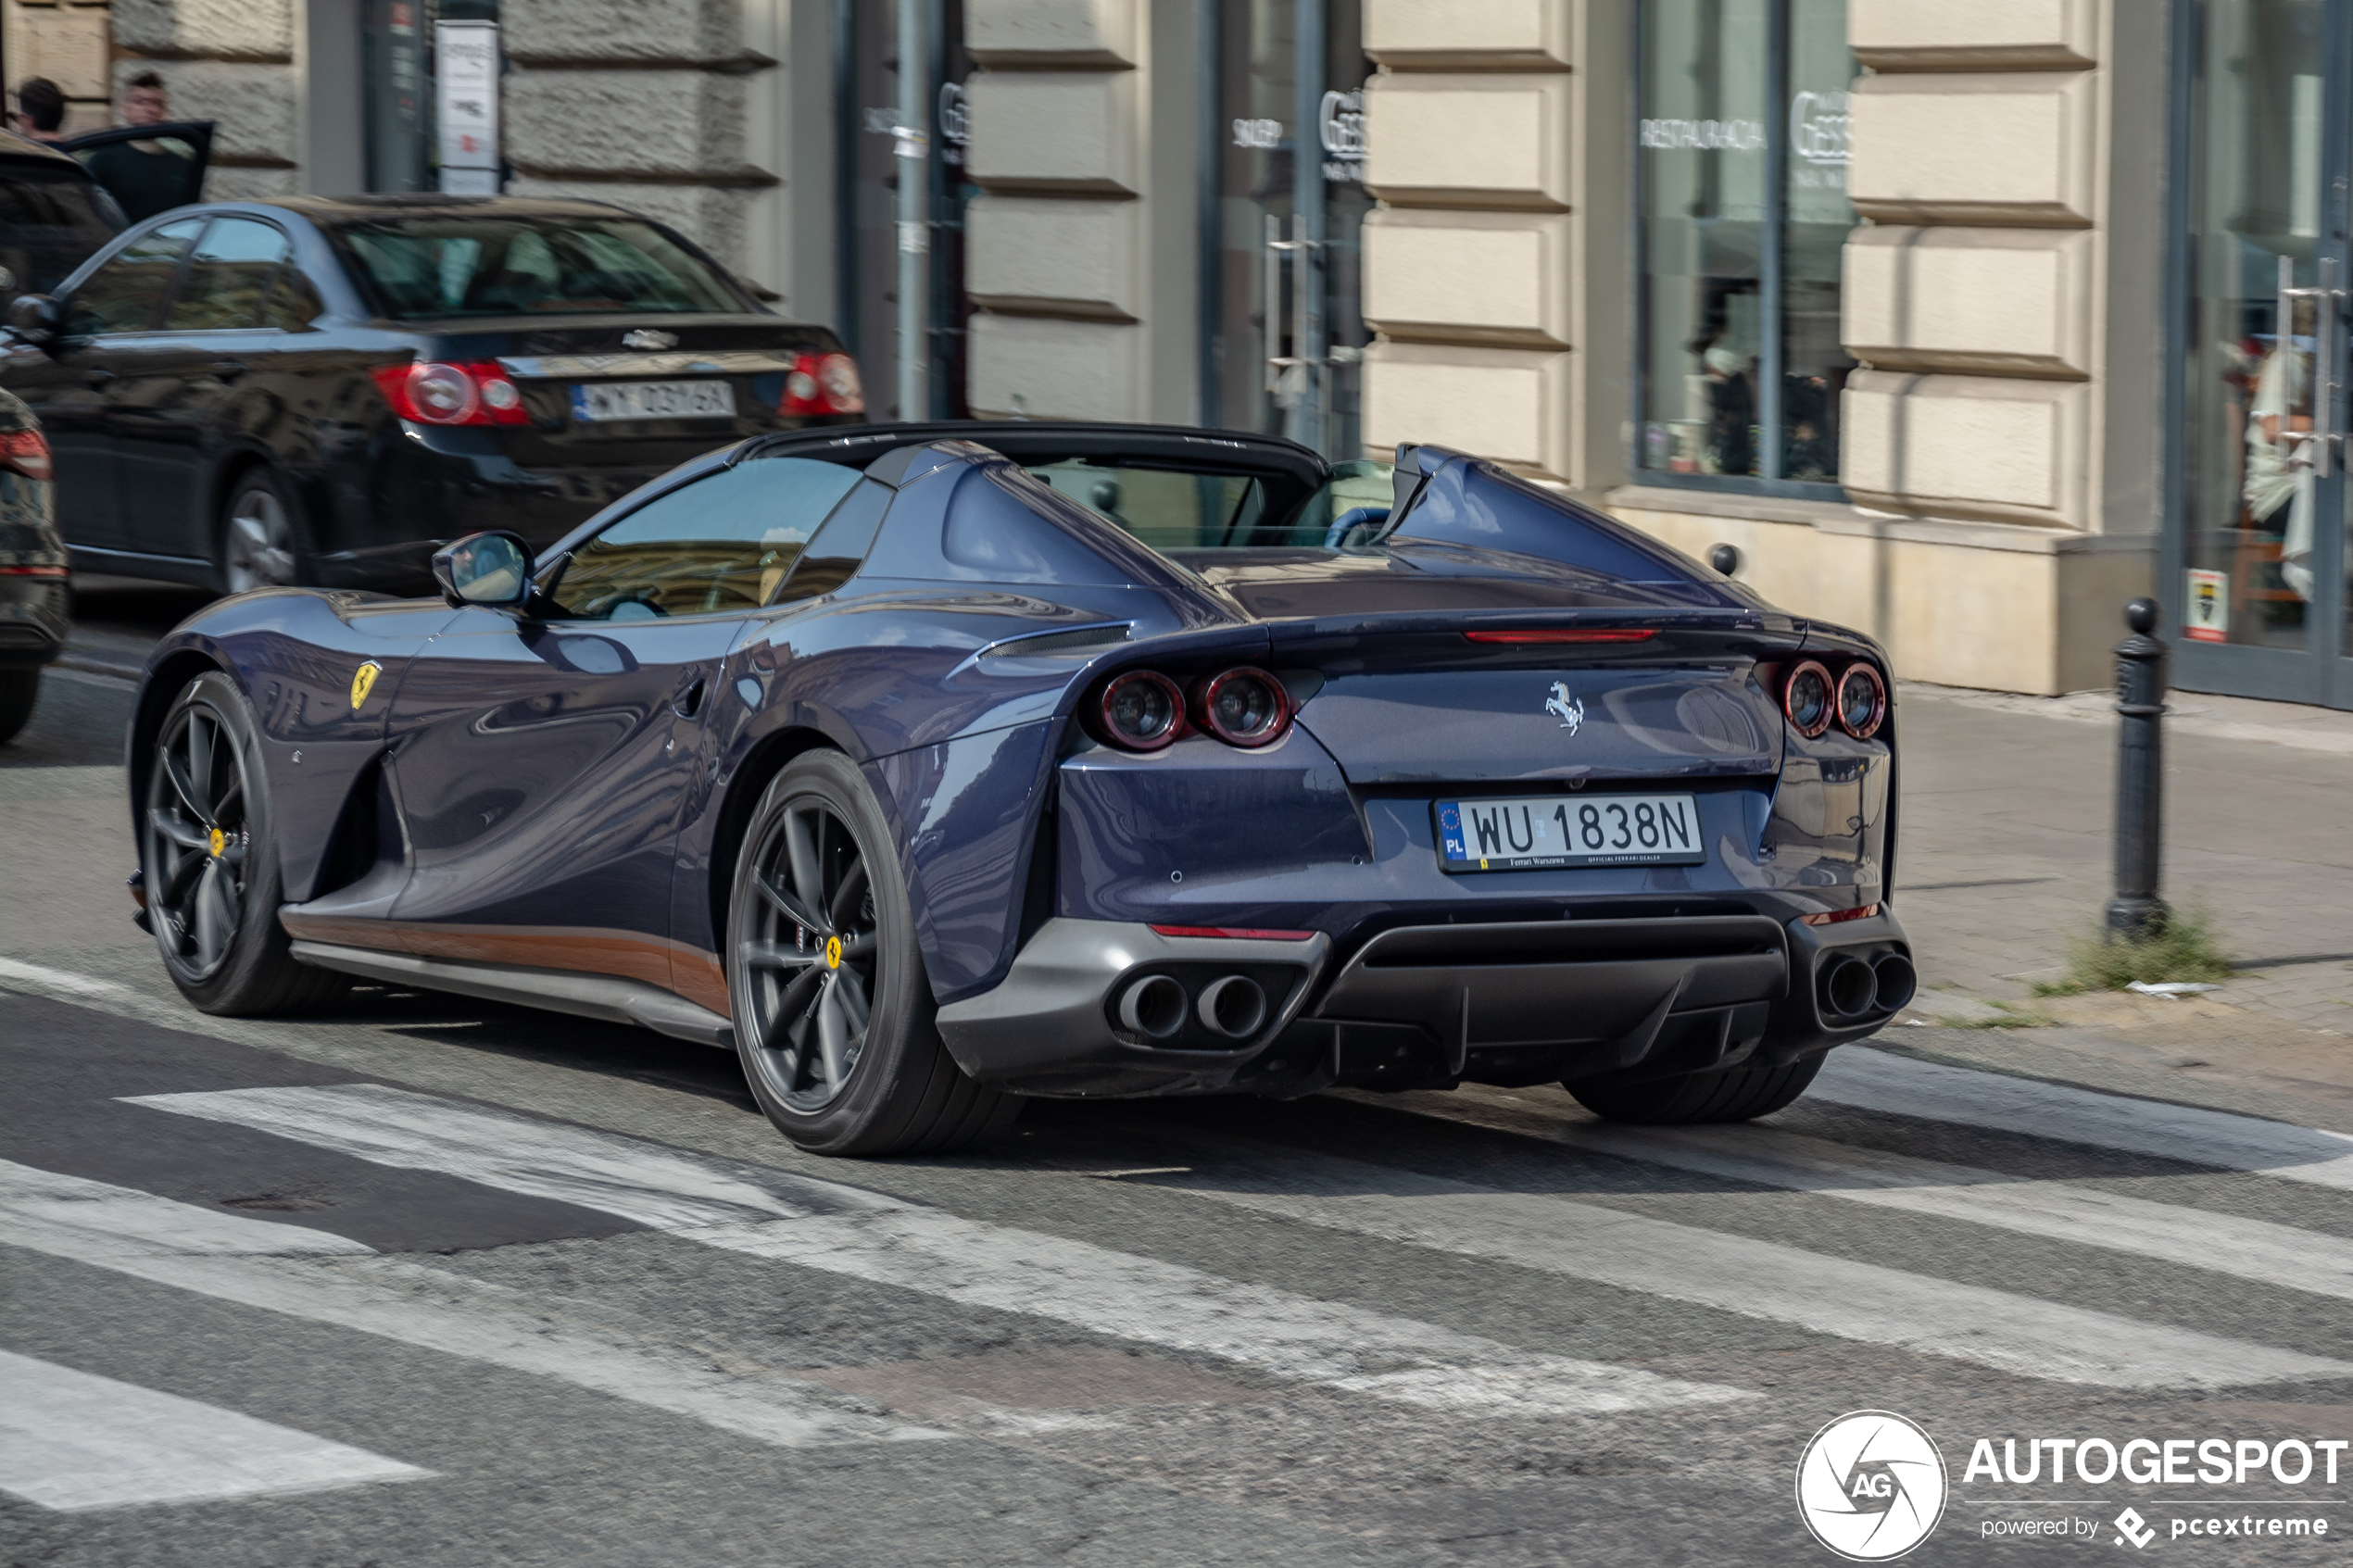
(1730, 1094)
(211, 867)
(834, 1016)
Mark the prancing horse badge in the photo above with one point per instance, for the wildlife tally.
(1567, 709)
(363, 681)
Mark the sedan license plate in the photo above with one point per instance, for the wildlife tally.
(654, 400)
(1494, 835)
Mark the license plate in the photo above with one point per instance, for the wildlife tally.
(1531, 833)
(654, 400)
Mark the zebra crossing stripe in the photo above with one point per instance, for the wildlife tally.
(71, 1440)
(842, 1230)
(1875, 1079)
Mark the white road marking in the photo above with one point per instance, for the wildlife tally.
(182, 1246)
(847, 1231)
(1735, 1274)
(2086, 1216)
(48, 980)
(73, 1440)
(1875, 1079)
(654, 1186)
(103, 1217)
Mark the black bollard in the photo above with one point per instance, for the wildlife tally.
(2137, 910)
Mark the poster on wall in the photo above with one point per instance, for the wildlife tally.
(2206, 611)
(466, 81)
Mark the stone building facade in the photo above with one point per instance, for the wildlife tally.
(1945, 315)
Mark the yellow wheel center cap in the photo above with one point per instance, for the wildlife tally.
(219, 843)
(833, 952)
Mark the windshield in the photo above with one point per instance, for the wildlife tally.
(52, 220)
(1169, 510)
(462, 266)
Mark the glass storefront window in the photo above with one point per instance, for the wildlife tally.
(1742, 155)
(2255, 224)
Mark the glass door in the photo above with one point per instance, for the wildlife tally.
(1286, 340)
(2256, 565)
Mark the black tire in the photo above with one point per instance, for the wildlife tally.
(211, 863)
(20, 689)
(262, 538)
(1729, 1094)
(835, 1021)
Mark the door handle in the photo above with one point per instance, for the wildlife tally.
(689, 702)
(2321, 439)
(98, 376)
(227, 370)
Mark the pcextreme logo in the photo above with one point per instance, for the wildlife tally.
(1870, 1486)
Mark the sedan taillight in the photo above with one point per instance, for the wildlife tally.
(476, 393)
(822, 384)
(26, 452)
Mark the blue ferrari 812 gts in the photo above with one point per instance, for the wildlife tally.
(931, 768)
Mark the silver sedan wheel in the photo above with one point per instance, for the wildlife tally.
(260, 545)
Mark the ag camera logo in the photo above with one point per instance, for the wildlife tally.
(1870, 1486)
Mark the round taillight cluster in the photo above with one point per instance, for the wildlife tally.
(1144, 711)
(1856, 699)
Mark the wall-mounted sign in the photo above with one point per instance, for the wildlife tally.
(466, 84)
(1703, 135)
(2206, 611)
(1342, 129)
(1264, 135)
(955, 122)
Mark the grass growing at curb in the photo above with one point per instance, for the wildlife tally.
(2184, 950)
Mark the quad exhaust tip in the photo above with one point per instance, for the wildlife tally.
(1848, 987)
(1153, 1007)
(1896, 981)
(1232, 1005)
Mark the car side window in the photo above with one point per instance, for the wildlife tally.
(724, 542)
(125, 294)
(229, 273)
(293, 303)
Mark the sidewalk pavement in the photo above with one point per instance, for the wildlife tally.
(2006, 856)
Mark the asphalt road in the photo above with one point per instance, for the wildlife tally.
(428, 1281)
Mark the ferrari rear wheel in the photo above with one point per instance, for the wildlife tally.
(210, 864)
(1730, 1094)
(834, 1017)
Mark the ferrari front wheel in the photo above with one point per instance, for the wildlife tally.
(835, 1021)
(210, 862)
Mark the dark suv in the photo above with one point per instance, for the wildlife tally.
(326, 390)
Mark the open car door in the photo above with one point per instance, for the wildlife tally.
(148, 169)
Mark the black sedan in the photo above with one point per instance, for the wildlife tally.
(32, 566)
(324, 391)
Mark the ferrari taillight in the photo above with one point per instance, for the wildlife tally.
(475, 392)
(1855, 699)
(822, 384)
(26, 452)
(1806, 699)
(1242, 707)
(1141, 710)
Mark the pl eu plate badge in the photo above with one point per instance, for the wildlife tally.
(2206, 612)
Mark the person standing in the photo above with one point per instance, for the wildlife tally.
(41, 110)
(147, 177)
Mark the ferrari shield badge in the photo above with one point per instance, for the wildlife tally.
(1567, 709)
(363, 681)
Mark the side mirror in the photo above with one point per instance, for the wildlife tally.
(484, 569)
(36, 319)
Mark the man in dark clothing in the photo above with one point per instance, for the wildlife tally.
(41, 108)
(146, 177)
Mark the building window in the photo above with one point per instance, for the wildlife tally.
(1741, 184)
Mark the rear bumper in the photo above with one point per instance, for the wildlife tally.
(35, 619)
(1516, 1003)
